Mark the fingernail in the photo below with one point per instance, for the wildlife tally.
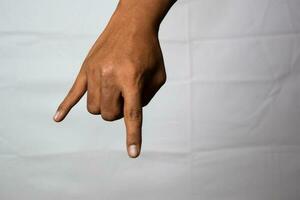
(56, 116)
(132, 150)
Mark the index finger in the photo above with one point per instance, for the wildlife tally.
(133, 116)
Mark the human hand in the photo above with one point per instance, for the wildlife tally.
(122, 71)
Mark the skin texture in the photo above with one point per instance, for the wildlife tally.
(124, 68)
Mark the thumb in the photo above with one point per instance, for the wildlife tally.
(74, 95)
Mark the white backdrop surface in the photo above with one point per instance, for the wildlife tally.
(225, 126)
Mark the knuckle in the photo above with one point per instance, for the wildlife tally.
(92, 109)
(136, 73)
(110, 116)
(132, 71)
(133, 114)
(107, 70)
(163, 79)
(146, 101)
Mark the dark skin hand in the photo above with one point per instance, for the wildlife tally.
(124, 68)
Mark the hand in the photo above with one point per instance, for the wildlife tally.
(121, 73)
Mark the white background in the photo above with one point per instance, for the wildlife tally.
(225, 126)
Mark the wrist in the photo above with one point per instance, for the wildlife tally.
(145, 14)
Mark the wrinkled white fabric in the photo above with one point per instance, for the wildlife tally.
(225, 126)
